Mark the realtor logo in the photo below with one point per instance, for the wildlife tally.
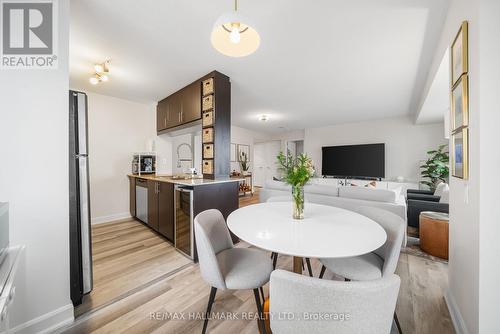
(28, 34)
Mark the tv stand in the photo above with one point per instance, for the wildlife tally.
(382, 184)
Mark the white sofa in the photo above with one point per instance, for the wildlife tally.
(347, 197)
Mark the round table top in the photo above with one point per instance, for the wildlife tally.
(325, 232)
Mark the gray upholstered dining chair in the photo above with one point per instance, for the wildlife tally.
(345, 307)
(274, 256)
(379, 263)
(225, 267)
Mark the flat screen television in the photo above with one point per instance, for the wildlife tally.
(354, 161)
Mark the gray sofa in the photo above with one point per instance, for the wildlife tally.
(347, 197)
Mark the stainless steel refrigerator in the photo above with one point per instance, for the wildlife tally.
(79, 199)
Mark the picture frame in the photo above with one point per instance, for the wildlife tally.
(243, 148)
(460, 104)
(233, 153)
(459, 54)
(460, 154)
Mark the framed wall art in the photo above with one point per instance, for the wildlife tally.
(243, 149)
(460, 154)
(459, 54)
(460, 103)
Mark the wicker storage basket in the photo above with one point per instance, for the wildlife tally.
(208, 86)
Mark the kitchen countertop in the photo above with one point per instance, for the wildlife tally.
(185, 182)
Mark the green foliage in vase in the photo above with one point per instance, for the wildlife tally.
(436, 169)
(296, 171)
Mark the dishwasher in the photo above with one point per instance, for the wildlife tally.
(141, 200)
(183, 213)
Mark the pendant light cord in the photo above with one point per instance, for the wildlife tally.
(235, 5)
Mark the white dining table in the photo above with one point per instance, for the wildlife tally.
(325, 231)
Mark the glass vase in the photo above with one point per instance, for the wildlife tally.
(298, 202)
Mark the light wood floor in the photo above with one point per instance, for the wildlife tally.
(420, 308)
(126, 255)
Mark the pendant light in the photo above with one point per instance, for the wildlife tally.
(233, 35)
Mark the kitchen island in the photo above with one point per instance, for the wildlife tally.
(169, 204)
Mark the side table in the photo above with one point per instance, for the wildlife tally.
(434, 233)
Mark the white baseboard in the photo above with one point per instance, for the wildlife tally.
(110, 218)
(456, 316)
(48, 322)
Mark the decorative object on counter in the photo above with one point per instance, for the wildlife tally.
(435, 169)
(233, 35)
(296, 172)
(400, 179)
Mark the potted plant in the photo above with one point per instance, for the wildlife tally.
(296, 172)
(435, 169)
(244, 164)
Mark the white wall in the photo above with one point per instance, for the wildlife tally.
(463, 295)
(117, 128)
(405, 143)
(34, 179)
(473, 295)
(246, 137)
(293, 135)
(489, 230)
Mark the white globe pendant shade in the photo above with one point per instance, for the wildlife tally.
(233, 36)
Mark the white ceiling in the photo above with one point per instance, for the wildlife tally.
(319, 63)
(437, 101)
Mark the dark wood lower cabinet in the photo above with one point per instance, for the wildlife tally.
(166, 210)
(162, 211)
(221, 196)
(153, 204)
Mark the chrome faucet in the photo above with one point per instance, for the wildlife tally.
(179, 160)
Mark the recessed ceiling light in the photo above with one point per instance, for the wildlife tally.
(263, 118)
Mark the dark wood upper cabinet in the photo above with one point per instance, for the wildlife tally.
(153, 204)
(166, 210)
(174, 110)
(191, 103)
(161, 116)
(180, 108)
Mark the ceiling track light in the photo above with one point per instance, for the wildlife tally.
(101, 72)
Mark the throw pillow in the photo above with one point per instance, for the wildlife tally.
(445, 197)
(442, 186)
